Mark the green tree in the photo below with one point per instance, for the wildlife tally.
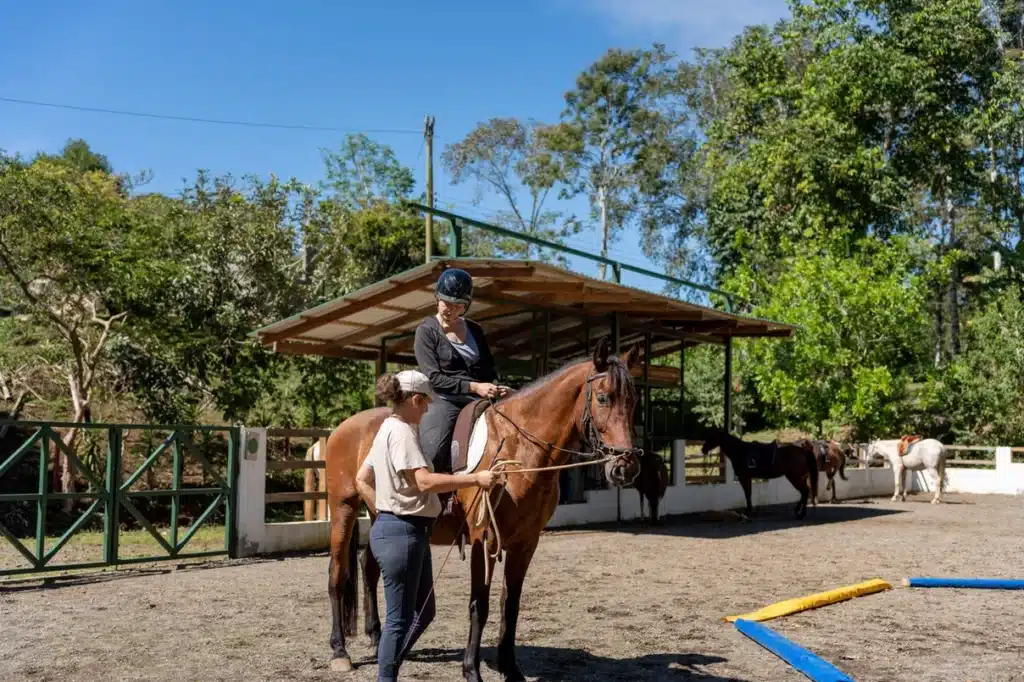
(363, 171)
(502, 156)
(619, 125)
(861, 330)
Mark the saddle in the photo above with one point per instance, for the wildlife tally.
(762, 457)
(462, 461)
(905, 443)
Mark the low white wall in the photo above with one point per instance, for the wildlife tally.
(1006, 478)
(255, 536)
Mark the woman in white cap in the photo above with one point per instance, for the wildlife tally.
(401, 483)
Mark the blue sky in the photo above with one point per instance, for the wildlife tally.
(359, 66)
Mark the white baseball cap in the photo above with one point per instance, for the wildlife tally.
(414, 381)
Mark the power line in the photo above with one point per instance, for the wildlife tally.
(195, 119)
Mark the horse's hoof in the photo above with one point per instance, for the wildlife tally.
(341, 665)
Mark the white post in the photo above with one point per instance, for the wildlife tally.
(679, 461)
(252, 476)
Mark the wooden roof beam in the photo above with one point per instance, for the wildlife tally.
(312, 322)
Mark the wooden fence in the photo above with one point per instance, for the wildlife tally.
(314, 494)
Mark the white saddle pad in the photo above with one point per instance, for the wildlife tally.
(477, 445)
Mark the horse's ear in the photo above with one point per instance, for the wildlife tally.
(630, 357)
(601, 351)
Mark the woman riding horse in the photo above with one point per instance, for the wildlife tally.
(453, 353)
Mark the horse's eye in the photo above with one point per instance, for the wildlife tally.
(603, 399)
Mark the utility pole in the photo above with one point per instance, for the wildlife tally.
(428, 135)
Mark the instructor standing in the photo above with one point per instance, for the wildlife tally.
(453, 353)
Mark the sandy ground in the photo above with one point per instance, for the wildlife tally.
(609, 604)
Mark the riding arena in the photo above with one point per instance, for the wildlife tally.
(626, 543)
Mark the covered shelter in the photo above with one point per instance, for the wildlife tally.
(537, 317)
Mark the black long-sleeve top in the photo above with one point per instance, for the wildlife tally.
(445, 367)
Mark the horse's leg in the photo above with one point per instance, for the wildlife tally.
(654, 510)
(831, 487)
(478, 608)
(341, 586)
(638, 492)
(371, 614)
(903, 484)
(745, 483)
(939, 475)
(800, 483)
(516, 564)
(897, 474)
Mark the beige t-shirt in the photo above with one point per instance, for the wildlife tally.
(396, 448)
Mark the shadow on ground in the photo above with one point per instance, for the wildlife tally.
(554, 664)
(725, 525)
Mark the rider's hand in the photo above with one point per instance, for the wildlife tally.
(504, 390)
(487, 479)
(486, 390)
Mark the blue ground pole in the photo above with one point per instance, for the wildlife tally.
(810, 665)
(980, 583)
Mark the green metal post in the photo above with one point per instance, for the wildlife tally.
(648, 427)
(44, 451)
(111, 520)
(231, 497)
(617, 272)
(175, 490)
(455, 243)
(682, 405)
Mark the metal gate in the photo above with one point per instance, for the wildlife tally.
(109, 493)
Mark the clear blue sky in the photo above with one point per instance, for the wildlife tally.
(355, 65)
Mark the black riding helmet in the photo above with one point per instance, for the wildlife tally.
(455, 286)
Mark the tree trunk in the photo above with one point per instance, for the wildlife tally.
(602, 201)
(954, 285)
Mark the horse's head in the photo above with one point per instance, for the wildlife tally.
(711, 441)
(607, 412)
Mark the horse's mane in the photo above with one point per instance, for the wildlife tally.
(620, 381)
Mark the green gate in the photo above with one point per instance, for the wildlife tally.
(109, 493)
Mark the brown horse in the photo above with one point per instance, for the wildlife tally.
(590, 402)
(768, 460)
(651, 483)
(831, 459)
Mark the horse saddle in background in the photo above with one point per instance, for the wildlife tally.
(762, 458)
(905, 444)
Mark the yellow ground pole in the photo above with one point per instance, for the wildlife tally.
(813, 601)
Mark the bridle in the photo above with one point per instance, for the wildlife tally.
(600, 450)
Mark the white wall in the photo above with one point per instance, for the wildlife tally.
(255, 536)
(258, 537)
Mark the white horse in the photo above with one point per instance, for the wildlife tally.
(924, 454)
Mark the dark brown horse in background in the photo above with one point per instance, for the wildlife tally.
(768, 460)
(589, 402)
(831, 459)
(651, 483)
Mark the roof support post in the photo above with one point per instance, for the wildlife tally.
(455, 240)
(382, 365)
(545, 357)
(648, 412)
(727, 404)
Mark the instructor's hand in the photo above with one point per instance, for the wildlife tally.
(487, 479)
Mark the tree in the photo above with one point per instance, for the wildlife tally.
(618, 118)
(364, 171)
(72, 257)
(502, 156)
(861, 330)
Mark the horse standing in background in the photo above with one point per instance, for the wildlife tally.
(767, 460)
(831, 459)
(651, 483)
(924, 454)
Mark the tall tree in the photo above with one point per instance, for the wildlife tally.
(502, 156)
(363, 171)
(619, 116)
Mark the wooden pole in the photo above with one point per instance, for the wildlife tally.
(428, 137)
(308, 507)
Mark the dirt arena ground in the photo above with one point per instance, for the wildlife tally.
(609, 604)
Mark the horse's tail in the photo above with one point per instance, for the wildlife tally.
(350, 591)
(812, 473)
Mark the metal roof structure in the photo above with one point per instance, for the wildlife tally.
(515, 302)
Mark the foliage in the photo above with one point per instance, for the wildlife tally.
(503, 156)
(858, 343)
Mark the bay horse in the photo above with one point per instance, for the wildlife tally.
(927, 454)
(768, 460)
(590, 402)
(831, 459)
(651, 483)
